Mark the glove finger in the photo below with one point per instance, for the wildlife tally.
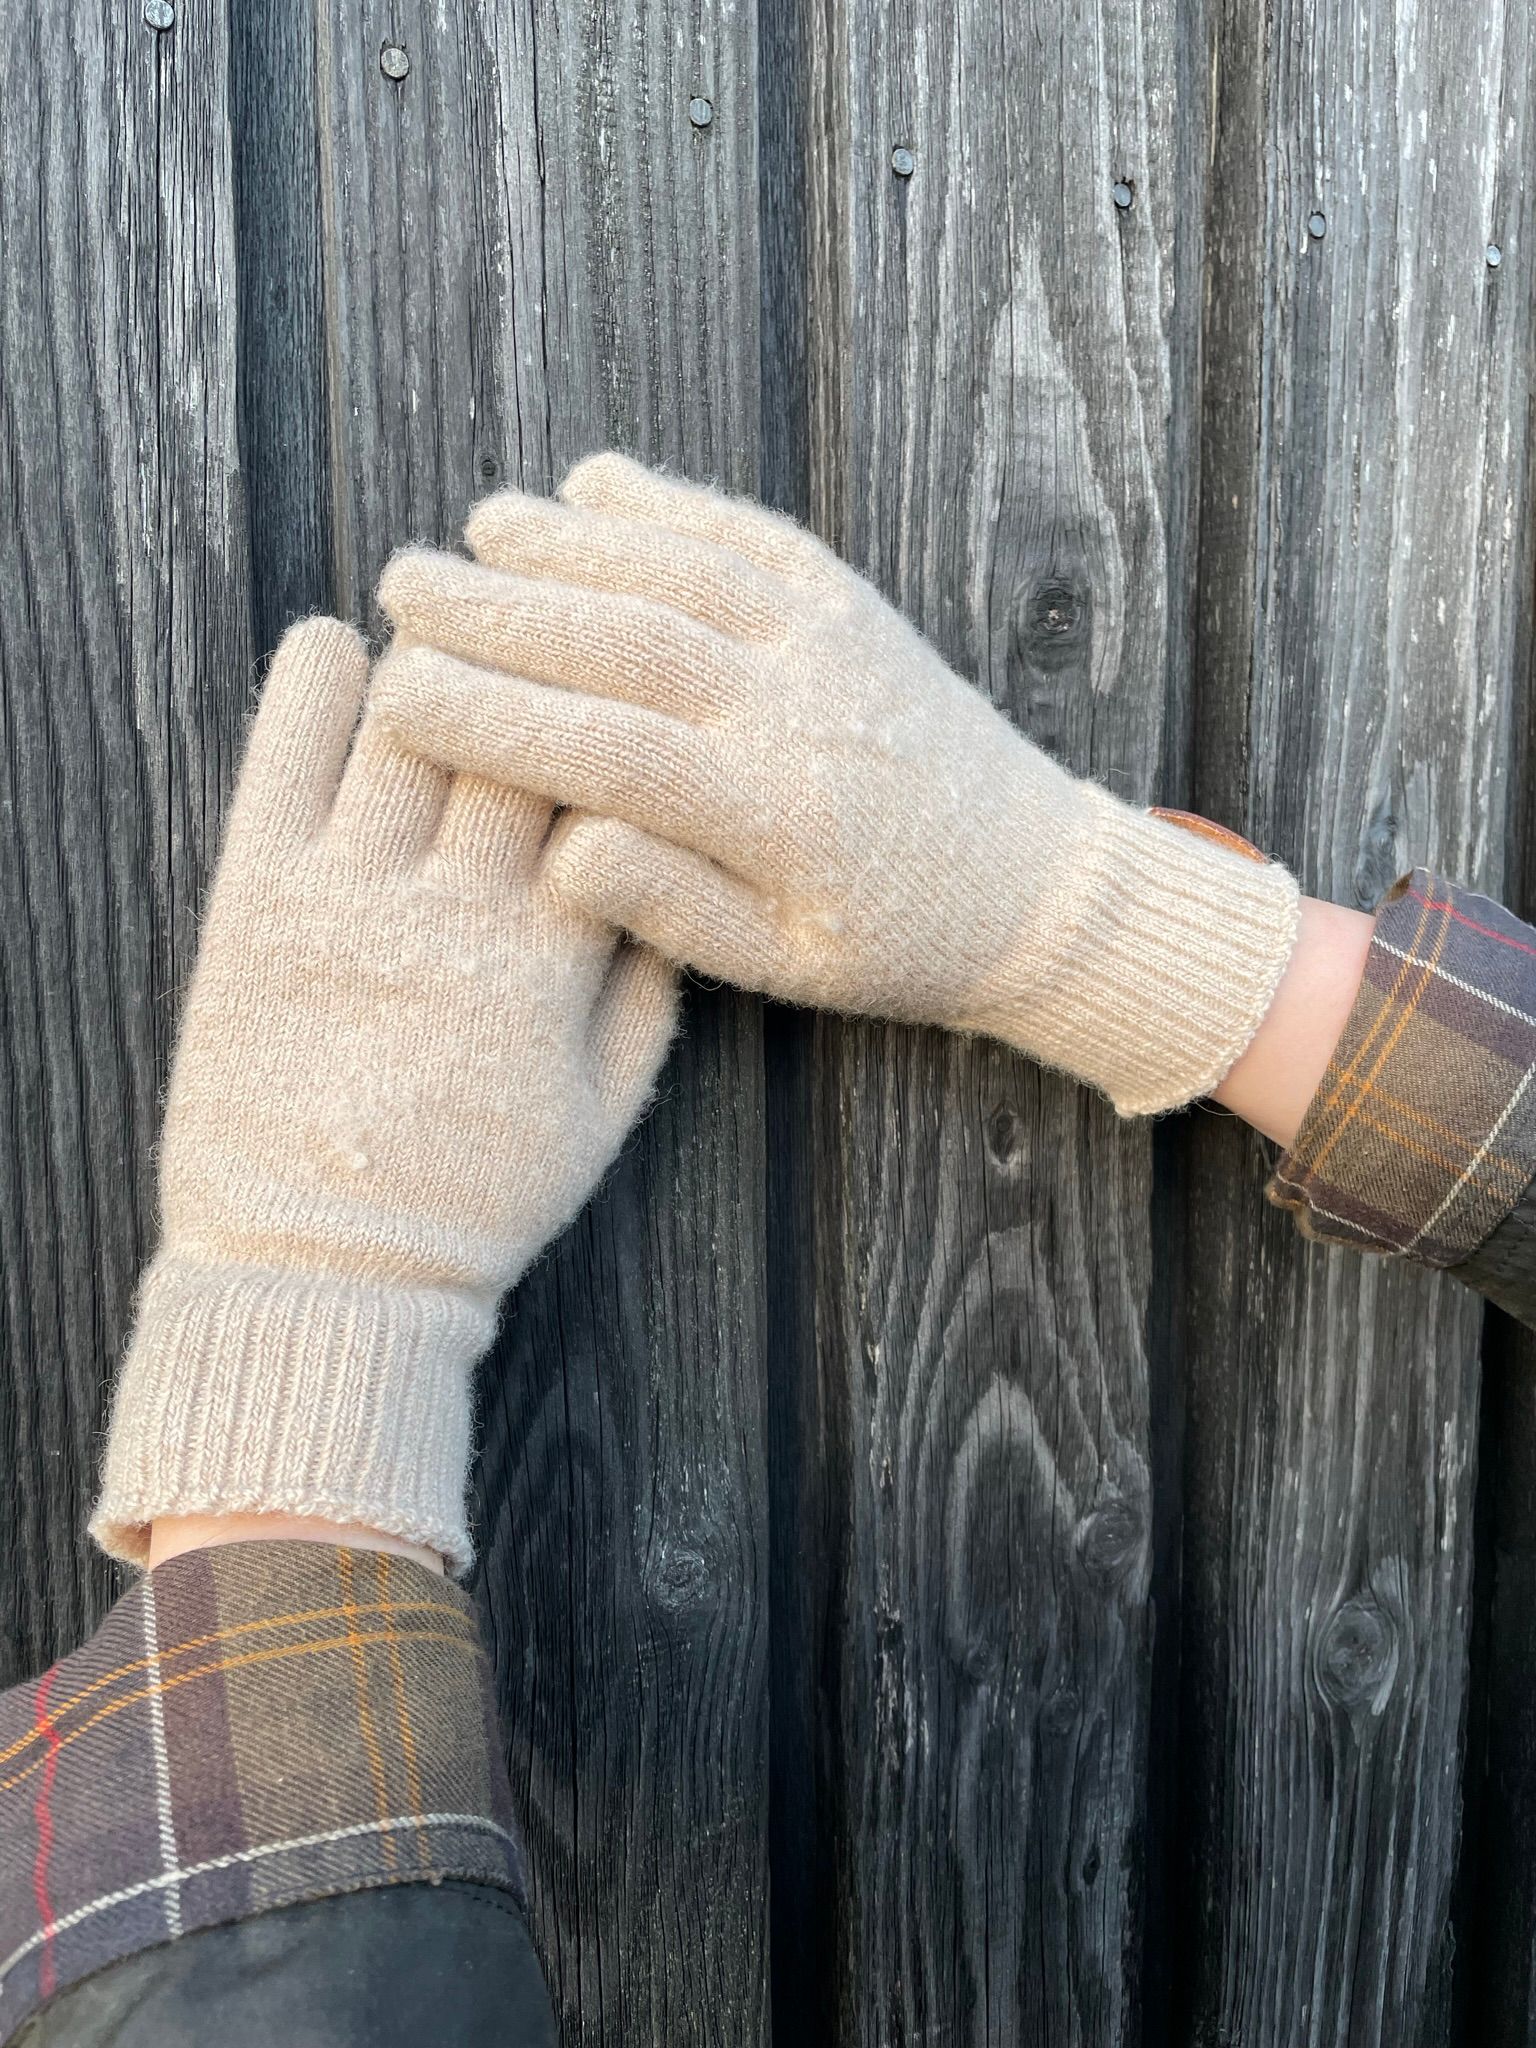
(490, 834)
(390, 800)
(673, 900)
(586, 752)
(303, 728)
(613, 483)
(632, 1026)
(604, 642)
(538, 537)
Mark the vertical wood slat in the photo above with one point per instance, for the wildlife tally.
(1497, 1867)
(533, 252)
(1365, 550)
(281, 284)
(1000, 413)
(1499, 1880)
(124, 671)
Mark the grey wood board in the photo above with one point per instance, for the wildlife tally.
(125, 669)
(1498, 1871)
(1001, 399)
(532, 252)
(1363, 580)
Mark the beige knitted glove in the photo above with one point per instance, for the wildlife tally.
(801, 797)
(402, 1069)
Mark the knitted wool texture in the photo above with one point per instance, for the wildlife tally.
(793, 791)
(403, 1066)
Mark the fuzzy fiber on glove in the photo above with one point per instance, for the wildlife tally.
(788, 788)
(404, 1065)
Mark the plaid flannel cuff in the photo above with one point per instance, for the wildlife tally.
(1422, 1134)
(250, 1727)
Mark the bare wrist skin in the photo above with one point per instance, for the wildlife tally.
(174, 1535)
(1271, 1085)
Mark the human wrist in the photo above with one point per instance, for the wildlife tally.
(1170, 937)
(1272, 1083)
(252, 1391)
(174, 1535)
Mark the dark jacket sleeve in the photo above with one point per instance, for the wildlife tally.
(1504, 1266)
(451, 1964)
(266, 1801)
(1420, 1141)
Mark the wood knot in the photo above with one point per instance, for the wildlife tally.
(981, 1661)
(1004, 1136)
(1110, 1540)
(1377, 864)
(1053, 620)
(1062, 1711)
(1354, 1659)
(681, 1580)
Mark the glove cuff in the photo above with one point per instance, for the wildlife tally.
(249, 1391)
(1167, 959)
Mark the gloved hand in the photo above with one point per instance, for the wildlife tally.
(796, 794)
(403, 1067)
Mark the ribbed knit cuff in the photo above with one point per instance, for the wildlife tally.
(248, 1391)
(1167, 970)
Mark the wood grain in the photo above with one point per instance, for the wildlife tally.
(1118, 1551)
(1001, 401)
(1497, 1888)
(531, 252)
(125, 668)
(1363, 583)
(1497, 1875)
(284, 363)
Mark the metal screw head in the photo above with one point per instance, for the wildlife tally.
(393, 61)
(1123, 194)
(1495, 255)
(159, 14)
(1317, 226)
(701, 111)
(903, 162)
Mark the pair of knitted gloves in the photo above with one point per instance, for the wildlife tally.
(415, 1040)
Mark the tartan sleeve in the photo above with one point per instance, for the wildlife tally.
(1421, 1138)
(251, 1727)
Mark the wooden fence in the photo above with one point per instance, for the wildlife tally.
(959, 1570)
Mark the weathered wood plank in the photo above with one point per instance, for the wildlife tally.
(1498, 1871)
(535, 252)
(124, 671)
(284, 368)
(1497, 1877)
(1001, 409)
(1364, 551)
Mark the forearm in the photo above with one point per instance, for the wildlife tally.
(173, 1535)
(1277, 1076)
